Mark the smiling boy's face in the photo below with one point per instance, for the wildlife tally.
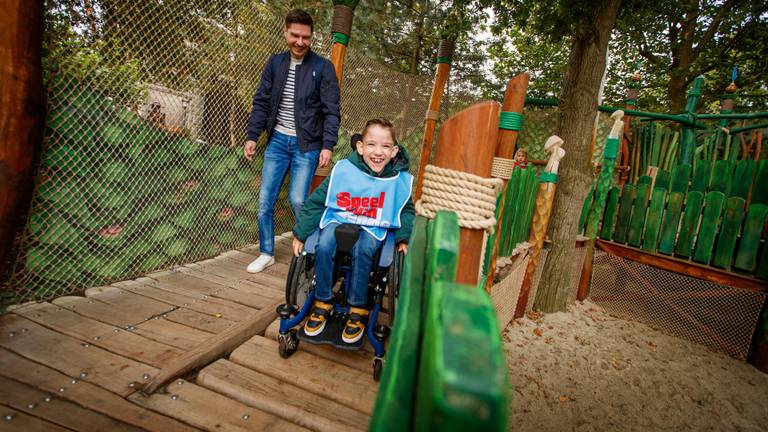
(377, 148)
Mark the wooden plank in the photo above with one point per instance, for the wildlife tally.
(710, 221)
(760, 188)
(684, 267)
(663, 180)
(34, 402)
(721, 177)
(639, 213)
(360, 359)
(690, 223)
(280, 398)
(141, 306)
(23, 422)
(192, 286)
(337, 382)
(700, 179)
(155, 328)
(258, 280)
(729, 232)
(211, 411)
(215, 347)
(671, 223)
(200, 321)
(653, 222)
(606, 231)
(746, 258)
(625, 212)
(207, 305)
(119, 341)
(680, 175)
(71, 356)
(645, 180)
(742, 179)
(84, 394)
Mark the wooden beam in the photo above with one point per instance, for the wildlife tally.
(22, 117)
(683, 267)
(214, 348)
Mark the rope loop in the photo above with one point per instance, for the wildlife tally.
(510, 120)
(472, 197)
(502, 168)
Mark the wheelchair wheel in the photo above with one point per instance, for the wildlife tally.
(377, 365)
(288, 343)
(299, 281)
(393, 285)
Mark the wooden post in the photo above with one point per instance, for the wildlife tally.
(630, 104)
(444, 55)
(341, 29)
(467, 142)
(544, 201)
(688, 137)
(514, 101)
(22, 112)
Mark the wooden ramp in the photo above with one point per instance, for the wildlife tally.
(77, 363)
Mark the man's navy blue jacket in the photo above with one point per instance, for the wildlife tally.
(316, 101)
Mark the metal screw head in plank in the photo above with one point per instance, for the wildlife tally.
(11, 334)
(73, 381)
(132, 384)
(9, 417)
(86, 345)
(31, 405)
(145, 376)
(116, 330)
(179, 382)
(83, 374)
(96, 338)
(48, 398)
(24, 330)
(61, 389)
(246, 416)
(174, 397)
(185, 305)
(131, 328)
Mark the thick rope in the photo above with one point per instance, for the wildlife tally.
(502, 168)
(342, 19)
(432, 115)
(472, 197)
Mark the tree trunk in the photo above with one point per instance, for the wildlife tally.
(581, 84)
(22, 117)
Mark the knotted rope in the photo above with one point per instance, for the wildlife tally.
(472, 197)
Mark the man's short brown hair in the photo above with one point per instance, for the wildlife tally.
(299, 16)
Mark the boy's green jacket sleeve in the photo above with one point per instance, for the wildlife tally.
(406, 223)
(311, 212)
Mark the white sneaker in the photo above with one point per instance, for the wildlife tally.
(260, 263)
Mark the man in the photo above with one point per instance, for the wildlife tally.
(297, 104)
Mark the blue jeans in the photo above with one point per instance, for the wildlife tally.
(283, 153)
(362, 263)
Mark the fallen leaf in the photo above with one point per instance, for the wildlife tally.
(537, 331)
(565, 399)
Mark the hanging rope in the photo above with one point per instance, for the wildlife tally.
(472, 197)
(502, 168)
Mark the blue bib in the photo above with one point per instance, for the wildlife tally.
(374, 203)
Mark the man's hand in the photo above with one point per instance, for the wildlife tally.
(325, 157)
(298, 246)
(249, 150)
(402, 247)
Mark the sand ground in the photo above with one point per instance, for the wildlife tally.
(584, 370)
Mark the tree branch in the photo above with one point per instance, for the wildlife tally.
(714, 25)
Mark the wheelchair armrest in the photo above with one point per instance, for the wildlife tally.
(311, 244)
(387, 250)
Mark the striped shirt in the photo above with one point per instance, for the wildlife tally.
(286, 123)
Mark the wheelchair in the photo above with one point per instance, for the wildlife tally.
(382, 288)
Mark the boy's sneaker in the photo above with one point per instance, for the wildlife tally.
(260, 263)
(315, 325)
(355, 327)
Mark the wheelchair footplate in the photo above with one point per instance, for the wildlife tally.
(331, 335)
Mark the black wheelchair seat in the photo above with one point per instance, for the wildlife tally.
(346, 237)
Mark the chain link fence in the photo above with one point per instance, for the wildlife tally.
(147, 105)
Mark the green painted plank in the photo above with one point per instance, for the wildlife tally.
(742, 179)
(680, 175)
(653, 221)
(639, 211)
(672, 151)
(700, 179)
(762, 267)
(671, 223)
(691, 214)
(525, 213)
(665, 138)
(746, 258)
(510, 203)
(729, 232)
(625, 212)
(657, 132)
(760, 189)
(663, 179)
(710, 220)
(585, 210)
(645, 179)
(606, 232)
(396, 399)
(721, 177)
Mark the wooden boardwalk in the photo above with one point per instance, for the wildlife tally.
(77, 363)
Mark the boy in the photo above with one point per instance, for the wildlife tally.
(371, 188)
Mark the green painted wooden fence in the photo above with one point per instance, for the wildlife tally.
(446, 368)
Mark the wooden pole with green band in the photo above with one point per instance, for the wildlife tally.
(341, 29)
(541, 216)
(444, 54)
(510, 123)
